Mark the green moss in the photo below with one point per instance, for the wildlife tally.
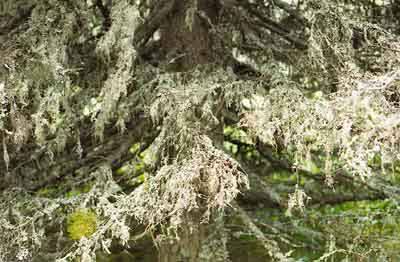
(77, 191)
(375, 162)
(46, 192)
(86, 188)
(391, 245)
(135, 148)
(81, 223)
(281, 176)
(73, 193)
(237, 134)
(139, 167)
(123, 170)
(311, 167)
(228, 146)
(361, 207)
(142, 178)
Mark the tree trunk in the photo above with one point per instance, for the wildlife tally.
(188, 247)
(185, 34)
(187, 42)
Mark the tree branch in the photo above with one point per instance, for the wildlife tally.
(111, 151)
(105, 13)
(152, 22)
(21, 15)
(285, 6)
(276, 28)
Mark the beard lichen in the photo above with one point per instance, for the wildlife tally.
(62, 81)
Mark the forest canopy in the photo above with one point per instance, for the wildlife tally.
(199, 130)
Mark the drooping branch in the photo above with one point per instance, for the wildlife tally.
(269, 244)
(274, 27)
(369, 191)
(46, 172)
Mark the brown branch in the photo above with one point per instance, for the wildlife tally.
(340, 199)
(261, 193)
(285, 6)
(266, 151)
(153, 22)
(112, 151)
(22, 15)
(269, 244)
(276, 28)
(105, 13)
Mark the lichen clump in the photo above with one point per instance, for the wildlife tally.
(81, 224)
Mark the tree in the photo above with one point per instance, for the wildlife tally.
(178, 122)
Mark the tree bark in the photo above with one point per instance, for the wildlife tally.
(185, 35)
(187, 42)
